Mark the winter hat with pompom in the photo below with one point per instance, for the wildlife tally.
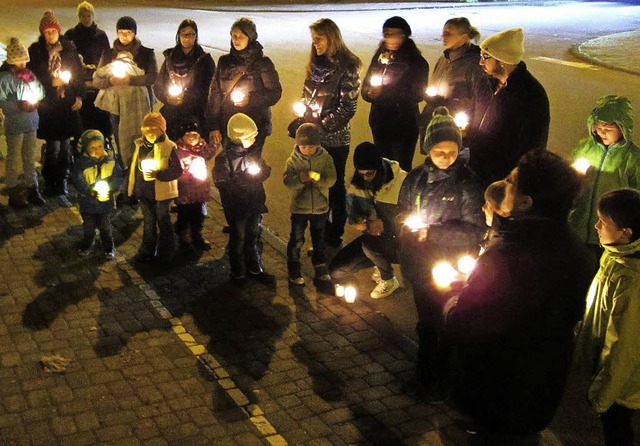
(442, 128)
(49, 21)
(16, 52)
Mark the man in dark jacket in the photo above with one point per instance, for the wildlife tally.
(510, 113)
(512, 324)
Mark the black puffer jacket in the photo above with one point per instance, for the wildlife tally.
(404, 79)
(513, 325)
(91, 42)
(332, 88)
(57, 120)
(193, 72)
(252, 73)
(506, 125)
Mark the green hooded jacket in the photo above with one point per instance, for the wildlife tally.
(608, 346)
(615, 167)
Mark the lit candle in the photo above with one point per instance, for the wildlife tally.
(198, 169)
(29, 96)
(65, 76)
(147, 166)
(466, 264)
(462, 120)
(350, 294)
(581, 165)
(431, 91)
(175, 90)
(315, 176)
(299, 108)
(237, 96)
(339, 290)
(102, 189)
(253, 169)
(384, 58)
(119, 69)
(415, 222)
(376, 80)
(443, 274)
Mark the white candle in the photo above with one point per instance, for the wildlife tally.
(237, 96)
(253, 169)
(466, 264)
(175, 90)
(443, 274)
(415, 222)
(350, 294)
(376, 80)
(65, 76)
(147, 166)
(198, 169)
(119, 69)
(581, 165)
(462, 120)
(431, 91)
(299, 108)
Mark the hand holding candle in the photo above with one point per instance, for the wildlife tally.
(315, 176)
(102, 190)
(149, 167)
(253, 169)
(299, 109)
(238, 98)
(65, 76)
(581, 165)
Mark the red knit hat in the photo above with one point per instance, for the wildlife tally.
(49, 21)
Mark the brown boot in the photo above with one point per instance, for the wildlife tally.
(17, 198)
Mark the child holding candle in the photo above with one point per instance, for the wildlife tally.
(309, 174)
(95, 175)
(20, 93)
(193, 185)
(153, 179)
(238, 174)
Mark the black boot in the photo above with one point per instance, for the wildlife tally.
(34, 196)
(61, 187)
(16, 198)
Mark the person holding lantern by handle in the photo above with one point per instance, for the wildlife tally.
(512, 325)
(183, 82)
(57, 65)
(246, 81)
(608, 159)
(394, 85)
(20, 93)
(441, 219)
(96, 176)
(329, 100)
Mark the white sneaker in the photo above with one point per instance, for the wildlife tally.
(375, 276)
(385, 288)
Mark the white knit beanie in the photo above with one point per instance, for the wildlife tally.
(241, 126)
(16, 52)
(506, 46)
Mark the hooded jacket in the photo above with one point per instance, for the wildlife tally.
(310, 197)
(513, 326)
(507, 124)
(252, 73)
(404, 79)
(87, 170)
(16, 86)
(361, 201)
(613, 167)
(242, 193)
(608, 343)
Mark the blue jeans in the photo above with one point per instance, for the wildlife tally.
(364, 252)
(299, 222)
(157, 231)
(244, 253)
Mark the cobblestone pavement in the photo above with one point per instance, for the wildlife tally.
(108, 352)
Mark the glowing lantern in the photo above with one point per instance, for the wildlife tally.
(431, 91)
(198, 169)
(376, 80)
(175, 90)
(299, 108)
(148, 166)
(466, 264)
(102, 189)
(119, 69)
(237, 96)
(65, 76)
(581, 165)
(462, 120)
(315, 176)
(415, 223)
(350, 294)
(443, 274)
(253, 169)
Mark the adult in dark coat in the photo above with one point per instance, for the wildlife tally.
(456, 72)
(246, 81)
(145, 59)
(513, 323)
(510, 113)
(330, 97)
(91, 42)
(57, 65)
(191, 69)
(394, 85)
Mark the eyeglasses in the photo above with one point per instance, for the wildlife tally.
(485, 56)
(189, 35)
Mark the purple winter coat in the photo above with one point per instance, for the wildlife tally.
(192, 186)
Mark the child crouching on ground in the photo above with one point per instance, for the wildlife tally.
(153, 179)
(309, 174)
(96, 176)
(239, 177)
(193, 185)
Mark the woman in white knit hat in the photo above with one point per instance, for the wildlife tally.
(20, 93)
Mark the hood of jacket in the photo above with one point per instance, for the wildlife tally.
(612, 109)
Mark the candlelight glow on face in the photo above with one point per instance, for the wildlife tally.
(65, 76)
(581, 165)
(415, 223)
(376, 80)
(237, 96)
(119, 69)
(299, 108)
(102, 189)
(462, 120)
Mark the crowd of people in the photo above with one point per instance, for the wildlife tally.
(498, 342)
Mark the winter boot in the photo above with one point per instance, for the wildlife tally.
(16, 198)
(200, 242)
(183, 238)
(34, 196)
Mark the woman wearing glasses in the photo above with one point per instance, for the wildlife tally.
(395, 85)
(246, 81)
(452, 80)
(183, 82)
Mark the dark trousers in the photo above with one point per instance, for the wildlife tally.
(299, 223)
(103, 223)
(364, 252)
(191, 216)
(337, 197)
(617, 426)
(398, 146)
(56, 164)
(244, 253)
(157, 231)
